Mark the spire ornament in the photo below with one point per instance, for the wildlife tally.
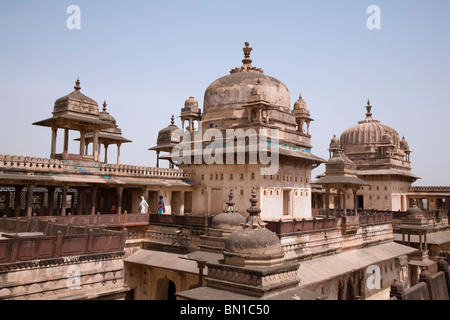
(77, 85)
(368, 108)
(230, 203)
(247, 49)
(247, 61)
(254, 221)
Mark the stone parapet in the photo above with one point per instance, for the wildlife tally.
(43, 166)
(24, 241)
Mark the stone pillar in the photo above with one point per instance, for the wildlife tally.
(66, 141)
(344, 200)
(119, 200)
(93, 199)
(106, 152)
(339, 200)
(51, 200)
(64, 200)
(157, 159)
(327, 202)
(82, 143)
(95, 148)
(118, 153)
(53, 148)
(355, 200)
(29, 202)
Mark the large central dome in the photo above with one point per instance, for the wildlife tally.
(233, 91)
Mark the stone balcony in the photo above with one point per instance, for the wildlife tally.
(43, 166)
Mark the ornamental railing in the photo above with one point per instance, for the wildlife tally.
(55, 166)
(32, 239)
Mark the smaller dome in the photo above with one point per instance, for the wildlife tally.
(258, 92)
(301, 105)
(414, 210)
(334, 140)
(404, 144)
(165, 135)
(334, 143)
(339, 157)
(230, 219)
(254, 240)
(105, 116)
(191, 102)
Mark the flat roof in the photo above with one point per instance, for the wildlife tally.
(163, 260)
(325, 268)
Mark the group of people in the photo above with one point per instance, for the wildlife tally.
(143, 206)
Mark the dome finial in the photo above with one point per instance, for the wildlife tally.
(230, 203)
(77, 85)
(254, 221)
(247, 62)
(172, 120)
(104, 106)
(247, 49)
(368, 107)
(253, 210)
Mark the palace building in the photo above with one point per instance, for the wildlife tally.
(71, 225)
(381, 159)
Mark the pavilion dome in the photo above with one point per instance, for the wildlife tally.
(404, 144)
(165, 135)
(369, 132)
(414, 210)
(191, 102)
(234, 90)
(301, 105)
(334, 143)
(76, 102)
(105, 116)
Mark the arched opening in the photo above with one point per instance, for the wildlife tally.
(165, 290)
(171, 291)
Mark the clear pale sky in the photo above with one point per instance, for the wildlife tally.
(147, 57)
